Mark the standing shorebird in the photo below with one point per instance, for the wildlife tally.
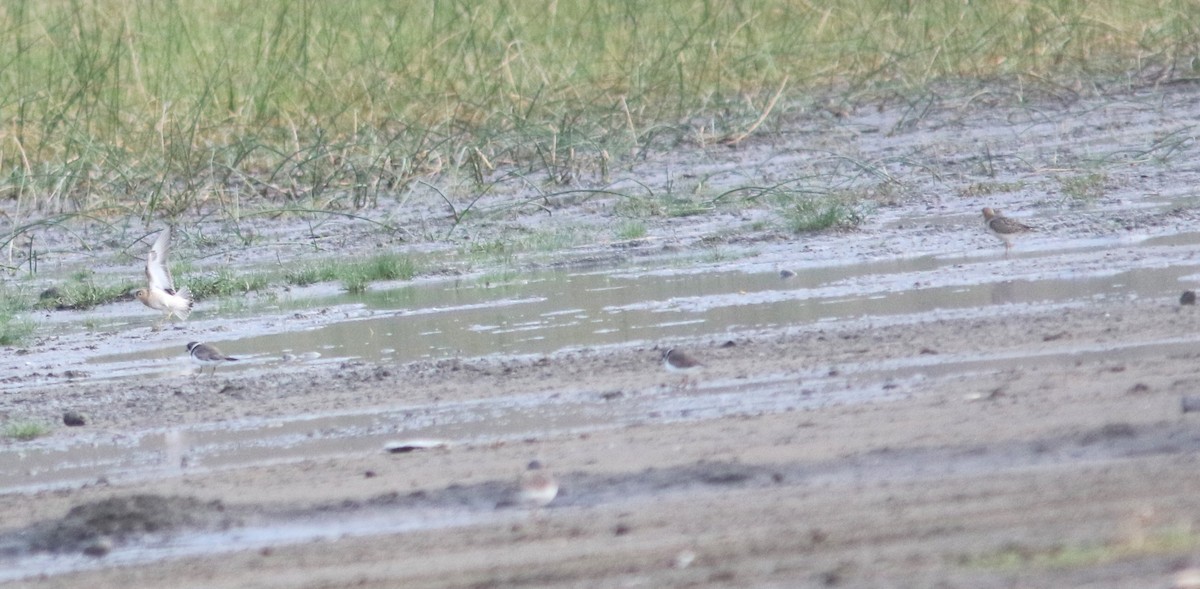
(1003, 228)
(538, 486)
(676, 361)
(160, 292)
(208, 355)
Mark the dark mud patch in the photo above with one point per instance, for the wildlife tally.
(576, 488)
(97, 526)
(884, 465)
(155, 527)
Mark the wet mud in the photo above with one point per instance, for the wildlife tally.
(907, 405)
(96, 527)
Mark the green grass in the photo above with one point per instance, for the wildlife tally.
(556, 239)
(156, 109)
(803, 212)
(312, 274)
(24, 430)
(630, 230)
(990, 188)
(223, 283)
(82, 292)
(1162, 541)
(503, 252)
(495, 252)
(685, 207)
(1084, 188)
(356, 277)
(14, 330)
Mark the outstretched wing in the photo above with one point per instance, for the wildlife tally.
(157, 274)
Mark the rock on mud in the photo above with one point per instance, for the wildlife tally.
(74, 419)
(1190, 403)
(406, 446)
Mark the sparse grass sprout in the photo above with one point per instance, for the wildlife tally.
(1084, 188)
(24, 430)
(631, 230)
(803, 213)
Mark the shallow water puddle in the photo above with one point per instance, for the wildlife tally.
(553, 311)
(557, 310)
(53, 463)
(251, 537)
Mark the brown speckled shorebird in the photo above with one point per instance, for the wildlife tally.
(1003, 228)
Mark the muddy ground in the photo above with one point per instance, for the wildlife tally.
(1009, 446)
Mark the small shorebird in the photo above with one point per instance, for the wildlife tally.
(160, 292)
(537, 486)
(677, 361)
(1003, 228)
(208, 355)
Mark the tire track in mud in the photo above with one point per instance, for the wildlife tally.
(251, 526)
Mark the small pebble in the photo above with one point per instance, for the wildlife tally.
(99, 547)
(406, 446)
(1190, 403)
(684, 559)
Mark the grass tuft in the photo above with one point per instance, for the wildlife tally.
(82, 293)
(389, 267)
(357, 276)
(631, 230)
(24, 431)
(805, 212)
(1083, 189)
(224, 283)
(1139, 543)
(13, 329)
(979, 189)
(312, 274)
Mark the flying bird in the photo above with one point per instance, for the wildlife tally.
(160, 292)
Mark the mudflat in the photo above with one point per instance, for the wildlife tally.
(1031, 444)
